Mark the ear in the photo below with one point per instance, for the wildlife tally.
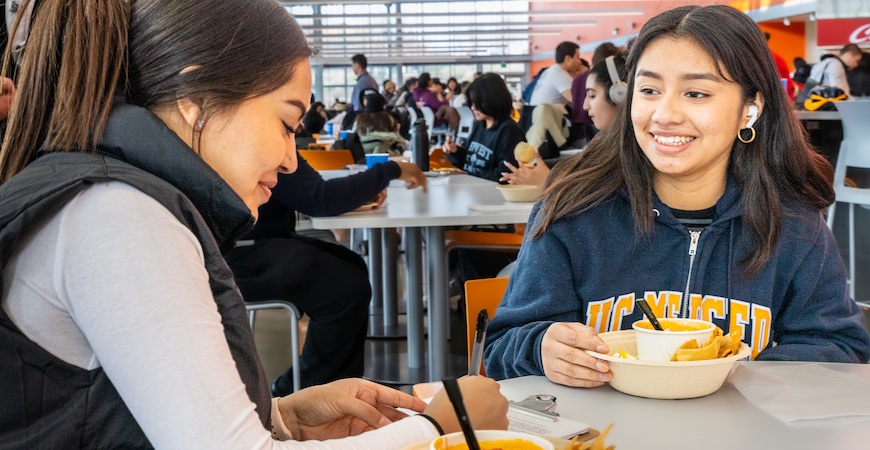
(752, 110)
(190, 110)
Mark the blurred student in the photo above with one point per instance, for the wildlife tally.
(703, 197)
(490, 146)
(601, 107)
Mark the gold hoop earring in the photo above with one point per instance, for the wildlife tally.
(746, 141)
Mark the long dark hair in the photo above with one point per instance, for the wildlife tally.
(80, 54)
(779, 165)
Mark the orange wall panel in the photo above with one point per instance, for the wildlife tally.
(786, 41)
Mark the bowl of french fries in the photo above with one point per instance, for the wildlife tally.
(693, 371)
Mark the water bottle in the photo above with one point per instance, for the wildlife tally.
(420, 145)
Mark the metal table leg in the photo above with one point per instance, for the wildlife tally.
(438, 304)
(414, 286)
(390, 256)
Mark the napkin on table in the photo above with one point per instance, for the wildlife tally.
(804, 392)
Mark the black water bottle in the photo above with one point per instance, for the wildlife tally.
(420, 145)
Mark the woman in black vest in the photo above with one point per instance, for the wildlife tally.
(144, 136)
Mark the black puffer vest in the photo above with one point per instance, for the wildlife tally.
(47, 403)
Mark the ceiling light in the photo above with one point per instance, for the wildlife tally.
(786, 22)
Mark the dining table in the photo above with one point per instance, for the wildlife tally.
(451, 200)
(724, 420)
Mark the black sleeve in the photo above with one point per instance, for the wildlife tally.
(307, 192)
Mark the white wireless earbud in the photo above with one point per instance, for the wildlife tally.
(753, 115)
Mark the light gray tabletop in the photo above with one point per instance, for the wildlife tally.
(818, 115)
(445, 204)
(720, 421)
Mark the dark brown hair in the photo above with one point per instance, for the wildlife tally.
(779, 165)
(81, 54)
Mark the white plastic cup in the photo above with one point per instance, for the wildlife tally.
(654, 345)
(489, 435)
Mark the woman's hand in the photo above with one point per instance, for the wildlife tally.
(449, 145)
(533, 175)
(566, 362)
(412, 176)
(380, 198)
(343, 408)
(486, 407)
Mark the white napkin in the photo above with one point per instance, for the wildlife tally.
(503, 207)
(804, 392)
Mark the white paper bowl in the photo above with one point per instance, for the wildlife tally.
(664, 379)
(489, 435)
(655, 345)
(520, 192)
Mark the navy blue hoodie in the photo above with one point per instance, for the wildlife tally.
(591, 267)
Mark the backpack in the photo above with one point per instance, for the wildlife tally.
(802, 73)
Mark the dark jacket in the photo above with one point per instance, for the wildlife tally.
(48, 403)
(596, 266)
(486, 150)
(307, 192)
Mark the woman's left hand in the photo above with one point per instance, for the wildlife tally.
(343, 408)
(381, 197)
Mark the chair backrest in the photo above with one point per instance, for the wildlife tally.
(481, 294)
(466, 121)
(412, 115)
(855, 151)
(437, 160)
(327, 159)
(429, 117)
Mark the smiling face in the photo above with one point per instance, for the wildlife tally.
(686, 118)
(600, 109)
(249, 144)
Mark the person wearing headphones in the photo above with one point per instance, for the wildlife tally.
(605, 92)
(702, 197)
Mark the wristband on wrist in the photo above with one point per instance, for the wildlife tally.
(435, 423)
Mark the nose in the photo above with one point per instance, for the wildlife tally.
(587, 103)
(668, 110)
(291, 160)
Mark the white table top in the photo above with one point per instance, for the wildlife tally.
(445, 204)
(722, 420)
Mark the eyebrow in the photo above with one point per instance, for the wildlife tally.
(297, 104)
(688, 76)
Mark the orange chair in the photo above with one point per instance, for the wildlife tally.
(327, 159)
(481, 294)
(482, 240)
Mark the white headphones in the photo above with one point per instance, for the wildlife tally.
(753, 116)
(619, 88)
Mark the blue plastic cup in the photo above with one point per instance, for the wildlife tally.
(376, 158)
(343, 134)
(328, 128)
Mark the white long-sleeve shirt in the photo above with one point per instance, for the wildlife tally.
(115, 281)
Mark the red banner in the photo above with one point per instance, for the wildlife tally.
(839, 32)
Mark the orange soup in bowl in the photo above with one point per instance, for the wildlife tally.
(674, 325)
(501, 444)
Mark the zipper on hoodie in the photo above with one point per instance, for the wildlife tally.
(694, 237)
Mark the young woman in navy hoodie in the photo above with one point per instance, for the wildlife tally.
(704, 198)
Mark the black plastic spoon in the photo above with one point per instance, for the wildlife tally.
(647, 311)
(455, 396)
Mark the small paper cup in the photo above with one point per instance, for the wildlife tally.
(444, 442)
(654, 345)
(376, 158)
